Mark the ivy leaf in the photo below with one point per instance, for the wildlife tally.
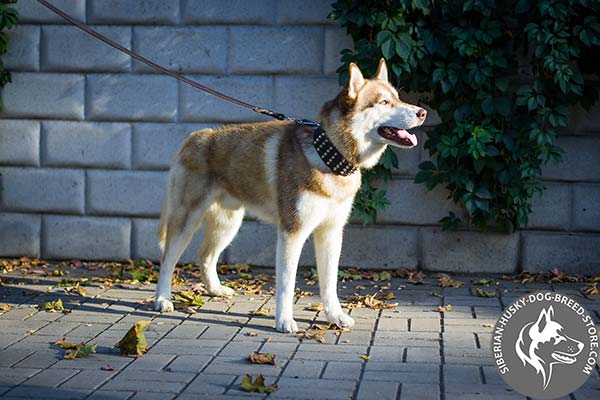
(134, 341)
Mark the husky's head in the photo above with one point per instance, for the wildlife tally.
(367, 116)
(543, 343)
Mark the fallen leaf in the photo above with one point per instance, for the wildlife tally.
(446, 280)
(483, 293)
(76, 350)
(183, 298)
(262, 311)
(134, 341)
(52, 306)
(487, 325)
(482, 282)
(388, 296)
(315, 307)
(75, 290)
(365, 357)
(107, 367)
(251, 334)
(5, 307)
(446, 308)
(591, 290)
(258, 385)
(263, 358)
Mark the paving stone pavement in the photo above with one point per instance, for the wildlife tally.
(414, 351)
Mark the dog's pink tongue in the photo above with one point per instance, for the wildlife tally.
(406, 136)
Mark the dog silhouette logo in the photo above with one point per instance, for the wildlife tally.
(545, 345)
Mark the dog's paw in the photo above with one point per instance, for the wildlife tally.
(163, 305)
(287, 325)
(221, 291)
(341, 319)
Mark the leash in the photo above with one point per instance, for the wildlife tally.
(166, 71)
(330, 155)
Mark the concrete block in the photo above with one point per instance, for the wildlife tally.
(551, 210)
(68, 48)
(145, 242)
(368, 247)
(20, 235)
(303, 12)
(469, 251)
(86, 144)
(583, 121)
(586, 207)
(24, 49)
(289, 50)
(87, 238)
(336, 40)
(125, 192)
(32, 189)
(197, 106)
(379, 247)
(408, 160)
(147, 12)
(413, 204)
(131, 97)
(40, 95)
(303, 97)
(230, 12)
(254, 244)
(155, 145)
(190, 49)
(19, 142)
(571, 253)
(580, 160)
(30, 11)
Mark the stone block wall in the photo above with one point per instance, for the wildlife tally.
(87, 135)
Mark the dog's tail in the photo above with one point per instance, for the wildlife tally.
(162, 226)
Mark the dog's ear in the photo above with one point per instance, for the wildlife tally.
(355, 80)
(382, 71)
(544, 318)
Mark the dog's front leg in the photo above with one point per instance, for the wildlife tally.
(328, 246)
(289, 247)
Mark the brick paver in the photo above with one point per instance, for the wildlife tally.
(411, 352)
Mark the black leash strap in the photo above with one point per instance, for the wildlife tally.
(161, 69)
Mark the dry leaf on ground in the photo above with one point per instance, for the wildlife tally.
(76, 350)
(258, 385)
(483, 282)
(315, 307)
(134, 342)
(446, 308)
(5, 307)
(484, 293)
(183, 298)
(262, 358)
(53, 306)
(262, 311)
(446, 280)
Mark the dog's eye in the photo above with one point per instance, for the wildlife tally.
(384, 102)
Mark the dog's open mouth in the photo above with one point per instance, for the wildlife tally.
(563, 358)
(400, 136)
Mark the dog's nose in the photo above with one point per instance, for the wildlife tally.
(422, 114)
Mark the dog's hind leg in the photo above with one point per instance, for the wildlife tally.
(184, 215)
(220, 227)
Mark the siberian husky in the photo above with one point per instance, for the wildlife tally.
(285, 174)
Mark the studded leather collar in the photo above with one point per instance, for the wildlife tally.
(330, 155)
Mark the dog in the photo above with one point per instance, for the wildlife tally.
(275, 171)
(543, 344)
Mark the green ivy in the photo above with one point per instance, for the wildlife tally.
(502, 76)
(8, 19)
